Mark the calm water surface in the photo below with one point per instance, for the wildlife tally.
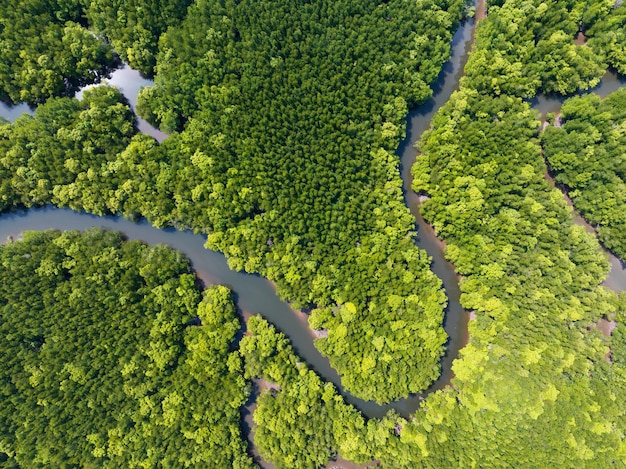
(11, 113)
(127, 80)
(254, 293)
(550, 103)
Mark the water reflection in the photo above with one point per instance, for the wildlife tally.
(12, 112)
(127, 80)
(256, 294)
(552, 103)
(130, 82)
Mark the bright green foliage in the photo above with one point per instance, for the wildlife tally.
(134, 27)
(528, 45)
(532, 372)
(286, 162)
(532, 388)
(302, 422)
(291, 112)
(47, 51)
(588, 155)
(59, 155)
(609, 34)
(618, 337)
(102, 365)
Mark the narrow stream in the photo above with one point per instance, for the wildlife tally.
(130, 82)
(11, 113)
(127, 80)
(256, 294)
(610, 82)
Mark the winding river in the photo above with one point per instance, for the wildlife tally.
(256, 294)
(616, 279)
(252, 292)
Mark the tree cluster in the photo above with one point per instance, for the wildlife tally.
(134, 26)
(532, 388)
(112, 358)
(58, 155)
(587, 153)
(527, 46)
(300, 421)
(289, 114)
(48, 51)
(608, 32)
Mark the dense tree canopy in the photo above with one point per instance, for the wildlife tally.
(290, 112)
(301, 422)
(528, 45)
(587, 153)
(103, 363)
(533, 382)
(608, 32)
(57, 155)
(47, 50)
(285, 161)
(135, 26)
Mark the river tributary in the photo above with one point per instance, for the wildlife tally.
(610, 82)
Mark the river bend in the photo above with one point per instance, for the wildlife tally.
(253, 293)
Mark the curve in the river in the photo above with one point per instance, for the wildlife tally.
(127, 80)
(616, 279)
(130, 82)
(256, 294)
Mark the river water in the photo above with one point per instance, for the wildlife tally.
(256, 294)
(253, 293)
(127, 80)
(11, 113)
(610, 82)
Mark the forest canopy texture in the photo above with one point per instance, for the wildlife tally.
(587, 153)
(109, 350)
(288, 114)
(53, 47)
(284, 117)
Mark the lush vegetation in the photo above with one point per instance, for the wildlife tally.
(302, 186)
(57, 156)
(135, 26)
(52, 48)
(110, 357)
(47, 50)
(587, 153)
(608, 35)
(301, 422)
(527, 46)
(533, 381)
(286, 160)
